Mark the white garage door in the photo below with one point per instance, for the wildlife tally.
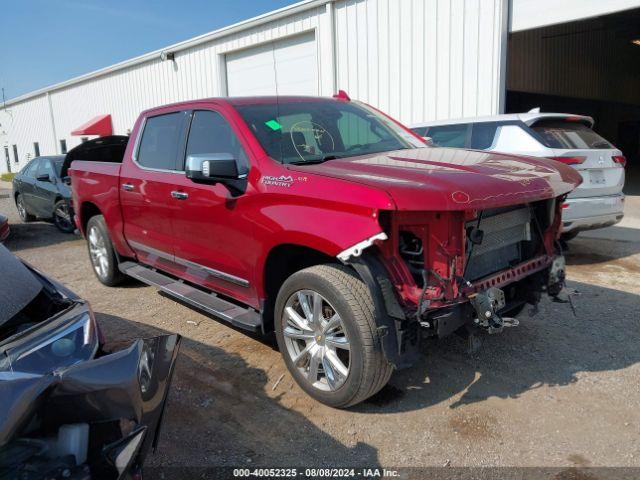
(286, 67)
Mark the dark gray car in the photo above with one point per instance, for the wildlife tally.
(68, 409)
(40, 192)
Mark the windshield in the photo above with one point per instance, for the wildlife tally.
(564, 134)
(315, 131)
(57, 165)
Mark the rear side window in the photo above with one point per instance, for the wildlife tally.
(449, 135)
(565, 134)
(482, 135)
(160, 141)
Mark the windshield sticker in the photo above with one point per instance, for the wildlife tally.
(273, 125)
(302, 133)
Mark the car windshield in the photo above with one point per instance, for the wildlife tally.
(314, 131)
(57, 165)
(565, 134)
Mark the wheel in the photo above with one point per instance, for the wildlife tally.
(327, 333)
(101, 252)
(63, 217)
(22, 210)
(569, 235)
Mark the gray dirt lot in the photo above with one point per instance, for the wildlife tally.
(557, 391)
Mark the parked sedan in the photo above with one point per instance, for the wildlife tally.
(68, 409)
(40, 192)
(4, 228)
(598, 202)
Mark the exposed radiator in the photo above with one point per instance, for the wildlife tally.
(501, 247)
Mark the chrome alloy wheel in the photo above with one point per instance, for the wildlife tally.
(316, 340)
(62, 214)
(98, 252)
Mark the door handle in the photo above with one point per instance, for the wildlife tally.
(179, 195)
(127, 187)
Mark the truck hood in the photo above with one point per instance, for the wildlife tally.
(453, 179)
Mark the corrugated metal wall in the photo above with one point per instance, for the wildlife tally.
(421, 60)
(415, 59)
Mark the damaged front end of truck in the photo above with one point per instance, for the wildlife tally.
(462, 271)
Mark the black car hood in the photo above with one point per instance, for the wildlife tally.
(18, 286)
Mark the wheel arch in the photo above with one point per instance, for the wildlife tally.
(281, 262)
(87, 210)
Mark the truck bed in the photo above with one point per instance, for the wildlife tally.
(98, 184)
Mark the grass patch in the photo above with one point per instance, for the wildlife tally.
(7, 177)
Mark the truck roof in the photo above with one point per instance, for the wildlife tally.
(255, 100)
(527, 118)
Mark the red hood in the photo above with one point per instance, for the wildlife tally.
(453, 179)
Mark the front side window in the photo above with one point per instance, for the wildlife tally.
(45, 168)
(567, 134)
(449, 135)
(210, 133)
(315, 131)
(160, 141)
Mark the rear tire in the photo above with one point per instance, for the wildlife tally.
(25, 216)
(101, 252)
(331, 348)
(63, 217)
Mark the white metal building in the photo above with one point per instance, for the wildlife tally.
(418, 60)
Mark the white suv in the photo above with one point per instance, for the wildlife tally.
(597, 203)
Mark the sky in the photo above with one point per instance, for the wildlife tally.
(43, 42)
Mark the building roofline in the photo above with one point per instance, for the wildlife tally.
(292, 9)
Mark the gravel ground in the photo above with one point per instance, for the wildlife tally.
(558, 391)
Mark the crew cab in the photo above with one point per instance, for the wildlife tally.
(327, 221)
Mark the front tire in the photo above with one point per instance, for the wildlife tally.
(101, 252)
(63, 217)
(25, 216)
(327, 333)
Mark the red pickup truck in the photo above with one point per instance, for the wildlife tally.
(324, 220)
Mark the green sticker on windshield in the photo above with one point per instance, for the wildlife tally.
(273, 125)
